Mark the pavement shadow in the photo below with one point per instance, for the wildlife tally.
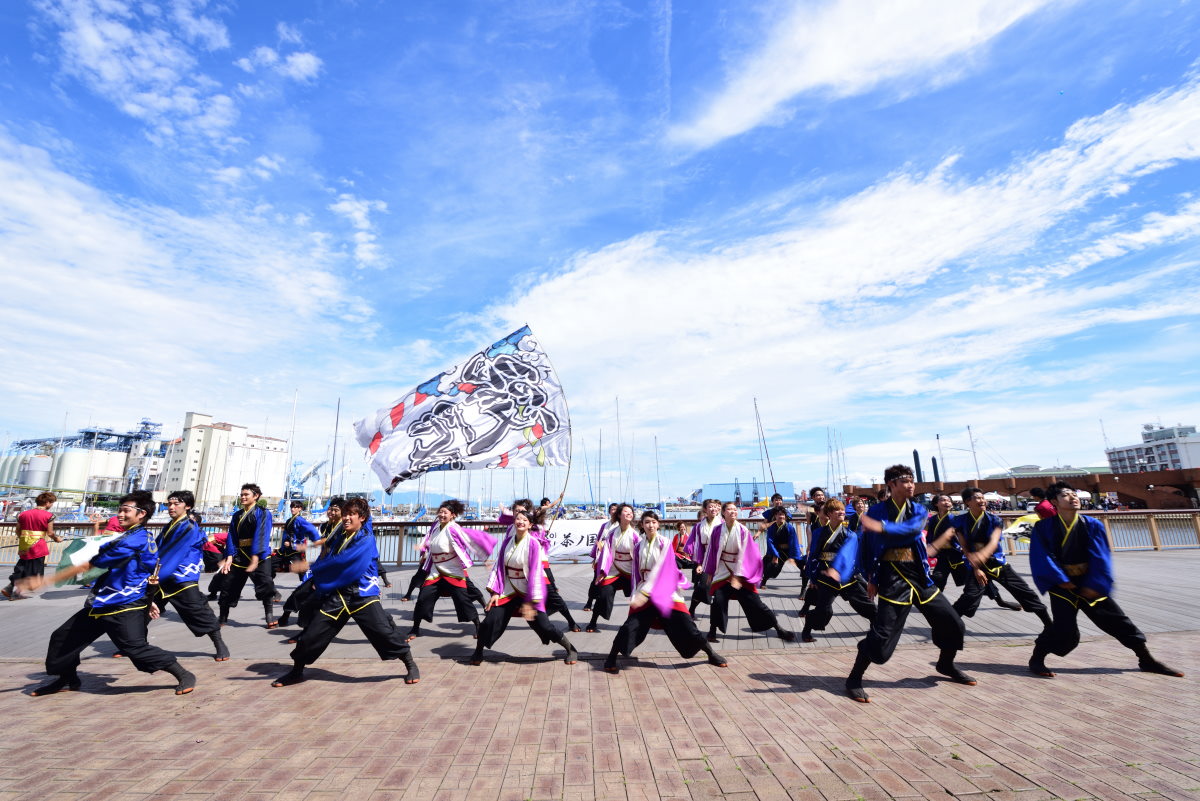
(64, 593)
(637, 663)
(273, 670)
(834, 685)
(1021, 669)
(461, 652)
(92, 684)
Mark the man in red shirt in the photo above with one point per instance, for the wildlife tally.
(33, 527)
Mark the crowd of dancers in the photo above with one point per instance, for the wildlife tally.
(882, 559)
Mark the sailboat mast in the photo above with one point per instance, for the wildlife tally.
(337, 421)
(657, 474)
(762, 435)
(600, 468)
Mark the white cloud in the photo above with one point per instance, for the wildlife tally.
(142, 64)
(259, 57)
(267, 166)
(925, 287)
(288, 33)
(219, 311)
(357, 211)
(208, 32)
(848, 47)
(300, 66)
(228, 175)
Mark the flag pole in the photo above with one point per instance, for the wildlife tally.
(570, 445)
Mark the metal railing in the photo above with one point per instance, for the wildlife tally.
(397, 541)
(1127, 531)
(1142, 530)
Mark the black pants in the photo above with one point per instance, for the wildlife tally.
(28, 568)
(191, 605)
(680, 629)
(700, 594)
(333, 612)
(217, 583)
(591, 597)
(417, 579)
(495, 621)
(757, 614)
(235, 580)
(885, 631)
(297, 597)
(821, 596)
(554, 600)
(950, 564)
(474, 594)
(1005, 576)
(430, 593)
(1061, 637)
(125, 626)
(606, 596)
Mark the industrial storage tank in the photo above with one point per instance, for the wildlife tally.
(8, 468)
(35, 471)
(110, 464)
(70, 469)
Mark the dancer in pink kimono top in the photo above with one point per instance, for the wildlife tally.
(697, 550)
(449, 550)
(613, 509)
(554, 599)
(657, 602)
(518, 587)
(734, 569)
(614, 565)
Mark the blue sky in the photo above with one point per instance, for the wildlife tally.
(888, 220)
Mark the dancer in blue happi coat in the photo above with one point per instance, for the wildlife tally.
(980, 535)
(180, 562)
(1070, 559)
(346, 580)
(117, 606)
(896, 564)
(248, 555)
(832, 564)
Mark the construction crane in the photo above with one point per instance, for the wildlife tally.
(297, 480)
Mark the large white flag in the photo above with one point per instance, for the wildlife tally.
(504, 407)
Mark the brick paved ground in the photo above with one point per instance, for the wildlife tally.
(772, 725)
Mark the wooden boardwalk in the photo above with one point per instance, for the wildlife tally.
(774, 725)
(26, 625)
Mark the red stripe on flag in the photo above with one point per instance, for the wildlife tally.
(504, 460)
(397, 413)
(375, 440)
(420, 397)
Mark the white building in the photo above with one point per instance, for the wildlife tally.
(214, 460)
(1175, 448)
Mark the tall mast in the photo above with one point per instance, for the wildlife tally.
(971, 437)
(291, 444)
(600, 468)
(762, 437)
(620, 449)
(657, 474)
(337, 421)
